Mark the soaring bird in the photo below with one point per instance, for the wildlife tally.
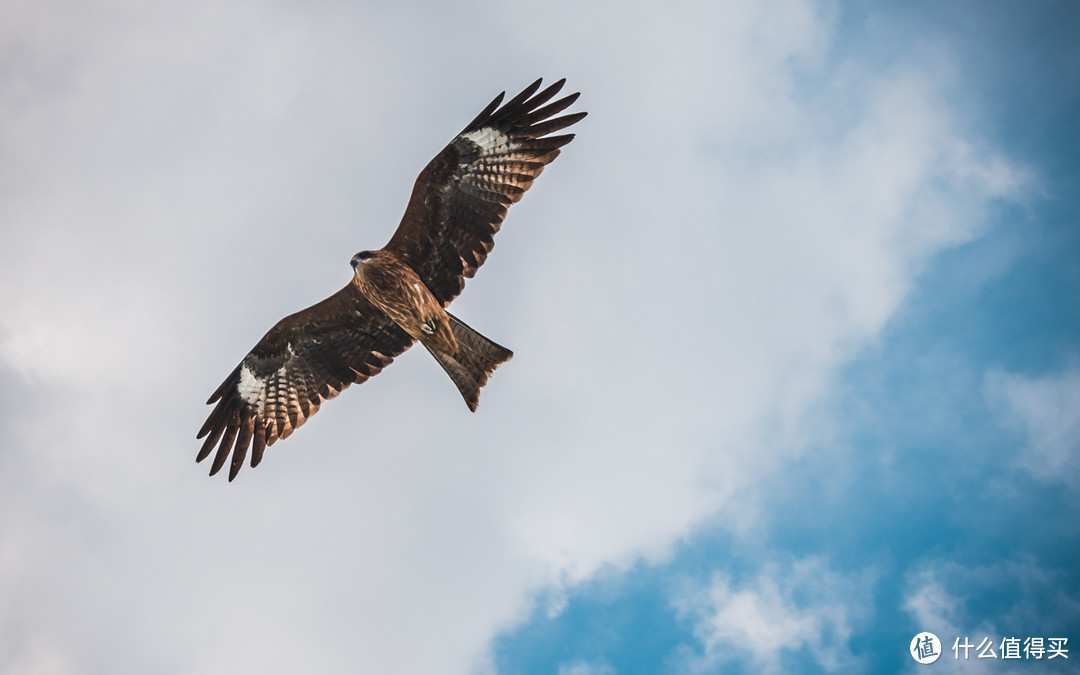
(398, 294)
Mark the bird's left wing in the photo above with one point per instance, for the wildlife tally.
(460, 199)
(307, 358)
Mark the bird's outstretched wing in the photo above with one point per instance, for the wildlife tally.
(460, 199)
(307, 358)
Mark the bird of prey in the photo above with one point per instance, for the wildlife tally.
(398, 294)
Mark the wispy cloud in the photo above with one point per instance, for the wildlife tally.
(1046, 411)
(949, 599)
(799, 607)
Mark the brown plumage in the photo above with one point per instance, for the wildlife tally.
(398, 294)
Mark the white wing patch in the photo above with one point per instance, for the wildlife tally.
(249, 387)
(488, 138)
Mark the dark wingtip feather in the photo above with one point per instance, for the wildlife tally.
(213, 427)
(544, 96)
(204, 452)
(547, 111)
(224, 386)
(210, 423)
(553, 142)
(531, 88)
(247, 429)
(553, 125)
(512, 106)
(259, 445)
(226, 443)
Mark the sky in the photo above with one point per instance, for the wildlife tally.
(796, 322)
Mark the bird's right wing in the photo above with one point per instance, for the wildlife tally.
(460, 199)
(307, 358)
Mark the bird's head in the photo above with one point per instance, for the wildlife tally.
(361, 258)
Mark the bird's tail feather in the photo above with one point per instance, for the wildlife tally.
(476, 359)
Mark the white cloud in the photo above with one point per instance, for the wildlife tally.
(939, 592)
(1047, 411)
(741, 211)
(784, 609)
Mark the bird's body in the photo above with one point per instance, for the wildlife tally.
(396, 289)
(398, 294)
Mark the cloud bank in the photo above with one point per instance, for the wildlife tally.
(745, 208)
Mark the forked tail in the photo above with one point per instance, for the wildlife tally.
(476, 359)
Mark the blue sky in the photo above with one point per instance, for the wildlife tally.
(795, 321)
(950, 501)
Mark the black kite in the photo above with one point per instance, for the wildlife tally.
(399, 293)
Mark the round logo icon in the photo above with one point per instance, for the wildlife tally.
(925, 648)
